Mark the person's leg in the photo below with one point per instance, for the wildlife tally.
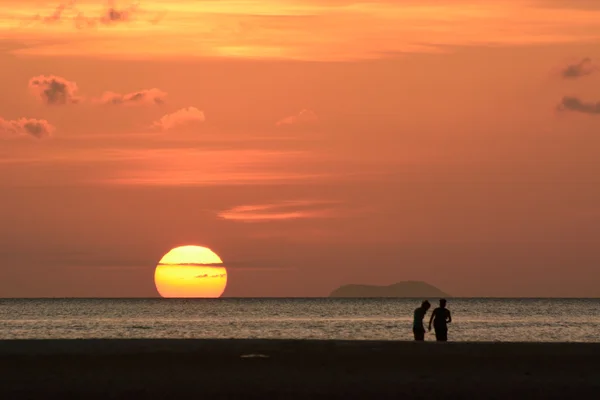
(419, 335)
(441, 335)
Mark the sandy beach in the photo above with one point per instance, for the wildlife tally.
(171, 369)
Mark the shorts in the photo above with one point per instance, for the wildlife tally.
(419, 334)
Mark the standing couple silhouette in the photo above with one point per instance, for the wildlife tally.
(440, 317)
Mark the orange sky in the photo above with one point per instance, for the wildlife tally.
(309, 143)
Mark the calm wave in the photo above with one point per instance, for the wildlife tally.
(538, 320)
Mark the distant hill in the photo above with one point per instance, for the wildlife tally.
(400, 289)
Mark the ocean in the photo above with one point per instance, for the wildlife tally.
(483, 319)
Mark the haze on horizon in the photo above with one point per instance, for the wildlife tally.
(309, 143)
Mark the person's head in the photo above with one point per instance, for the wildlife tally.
(443, 303)
(425, 305)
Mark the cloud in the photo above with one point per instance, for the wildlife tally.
(211, 276)
(202, 166)
(584, 67)
(110, 16)
(54, 90)
(142, 97)
(57, 15)
(179, 118)
(233, 266)
(304, 117)
(113, 14)
(268, 29)
(37, 128)
(283, 211)
(577, 105)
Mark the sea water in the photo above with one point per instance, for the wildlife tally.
(474, 319)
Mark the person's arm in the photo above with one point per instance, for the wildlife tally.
(431, 319)
(449, 319)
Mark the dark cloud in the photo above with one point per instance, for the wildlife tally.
(112, 14)
(142, 97)
(57, 15)
(211, 276)
(577, 105)
(583, 68)
(37, 128)
(54, 90)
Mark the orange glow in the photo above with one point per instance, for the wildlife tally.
(190, 271)
(273, 29)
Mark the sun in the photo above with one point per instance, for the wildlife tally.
(190, 271)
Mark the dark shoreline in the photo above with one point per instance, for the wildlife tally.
(420, 298)
(190, 368)
(231, 347)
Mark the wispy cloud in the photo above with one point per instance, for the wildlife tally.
(143, 97)
(340, 30)
(37, 128)
(185, 116)
(57, 14)
(54, 90)
(194, 264)
(238, 266)
(191, 167)
(139, 162)
(283, 211)
(82, 16)
(575, 104)
(303, 118)
(583, 68)
(110, 16)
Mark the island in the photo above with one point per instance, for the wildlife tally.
(406, 289)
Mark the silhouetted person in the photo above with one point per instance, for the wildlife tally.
(418, 327)
(441, 318)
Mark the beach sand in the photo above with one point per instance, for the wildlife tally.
(201, 369)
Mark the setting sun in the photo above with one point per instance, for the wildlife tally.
(190, 271)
